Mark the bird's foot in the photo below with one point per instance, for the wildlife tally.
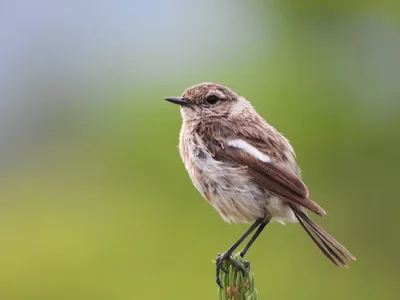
(226, 256)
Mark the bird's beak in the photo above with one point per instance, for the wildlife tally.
(178, 100)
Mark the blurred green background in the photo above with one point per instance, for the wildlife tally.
(95, 201)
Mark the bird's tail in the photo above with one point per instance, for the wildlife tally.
(329, 246)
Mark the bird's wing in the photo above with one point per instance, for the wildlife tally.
(271, 175)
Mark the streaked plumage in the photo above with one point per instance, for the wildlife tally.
(243, 166)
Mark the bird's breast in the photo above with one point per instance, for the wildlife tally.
(228, 189)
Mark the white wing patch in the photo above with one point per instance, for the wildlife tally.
(253, 151)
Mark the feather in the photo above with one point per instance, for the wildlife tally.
(329, 246)
(272, 176)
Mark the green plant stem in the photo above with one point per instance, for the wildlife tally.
(235, 284)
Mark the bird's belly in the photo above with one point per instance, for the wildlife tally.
(237, 199)
(234, 201)
(229, 189)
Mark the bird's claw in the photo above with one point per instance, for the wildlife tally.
(219, 261)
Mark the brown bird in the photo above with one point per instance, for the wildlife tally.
(245, 168)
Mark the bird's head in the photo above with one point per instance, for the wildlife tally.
(209, 100)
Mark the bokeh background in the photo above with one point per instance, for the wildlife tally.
(94, 200)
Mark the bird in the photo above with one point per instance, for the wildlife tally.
(245, 169)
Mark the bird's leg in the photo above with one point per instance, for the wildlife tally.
(227, 254)
(254, 237)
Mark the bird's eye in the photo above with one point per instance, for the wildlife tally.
(212, 99)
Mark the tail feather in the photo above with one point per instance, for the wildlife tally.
(325, 247)
(329, 246)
